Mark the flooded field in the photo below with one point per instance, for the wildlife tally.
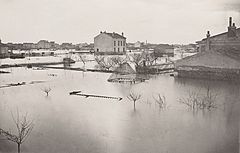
(66, 123)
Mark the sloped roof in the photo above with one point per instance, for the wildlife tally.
(115, 35)
(124, 68)
(123, 72)
(224, 58)
(230, 52)
(224, 33)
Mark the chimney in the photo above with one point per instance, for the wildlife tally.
(122, 34)
(231, 29)
(100, 31)
(208, 41)
(230, 21)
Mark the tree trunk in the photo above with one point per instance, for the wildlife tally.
(134, 105)
(19, 148)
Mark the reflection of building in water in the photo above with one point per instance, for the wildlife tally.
(219, 57)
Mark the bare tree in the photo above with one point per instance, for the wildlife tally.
(24, 127)
(104, 63)
(197, 101)
(47, 90)
(83, 60)
(191, 101)
(134, 97)
(136, 59)
(149, 58)
(117, 60)
(161, 101)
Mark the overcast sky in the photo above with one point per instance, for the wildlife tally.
(157, 21)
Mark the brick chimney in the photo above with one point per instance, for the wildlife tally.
(208, 41)
(122, 34)
(230, 21)
(231, 29)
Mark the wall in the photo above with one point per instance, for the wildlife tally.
(103, 43)
(206, 73)
(218, 41)
(121, 46)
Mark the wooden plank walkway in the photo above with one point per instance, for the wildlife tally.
(78, 93)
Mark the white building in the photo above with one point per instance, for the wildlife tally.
(109, 43)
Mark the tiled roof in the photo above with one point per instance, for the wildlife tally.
(238, 29)
(230, 52)
(116, 35)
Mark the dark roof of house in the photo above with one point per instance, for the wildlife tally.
(228, 52)
(115, 35)
(238, 29)
(124, 68)
(3, 45)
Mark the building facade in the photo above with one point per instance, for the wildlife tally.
(231, 39)
(3, 50)
(109, 43)
(43, 44)
(218, 57)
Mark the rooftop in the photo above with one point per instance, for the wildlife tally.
(115, 35)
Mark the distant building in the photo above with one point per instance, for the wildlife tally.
(3, 50)
(138, 44)
(164, 50)
(219, 57)
(67, 46)
(28, 46)
(43, 44)
(109, 43)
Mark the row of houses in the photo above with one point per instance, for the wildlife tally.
(114, 43)
(45, 44)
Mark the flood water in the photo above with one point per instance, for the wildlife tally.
(66, 123)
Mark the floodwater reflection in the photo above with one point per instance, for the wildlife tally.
(65, 123)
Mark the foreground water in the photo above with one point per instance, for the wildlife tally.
(72, 124)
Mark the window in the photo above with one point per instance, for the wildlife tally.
(97, 50)
(118, 50)
(114, 43)
(118, 43)
(114, 49)
(121, 43)
(123, 49)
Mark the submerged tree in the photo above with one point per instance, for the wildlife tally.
(196, 101)
(83, 59)
(136, 59)
(134, 97)
(46, 90)
(104, 63)
(117, 60)
(24, 127)
(161, 101)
